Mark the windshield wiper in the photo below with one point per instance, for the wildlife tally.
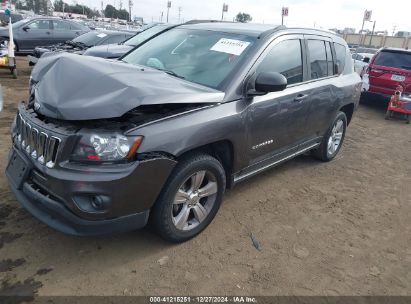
(172, 73)
(407, 67)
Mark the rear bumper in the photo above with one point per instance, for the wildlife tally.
(375, 96)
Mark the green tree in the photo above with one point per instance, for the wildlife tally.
(110, 11)
(243, 17)
(123, 14)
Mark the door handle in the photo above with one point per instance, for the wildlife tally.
(48, 33)
(300, 97)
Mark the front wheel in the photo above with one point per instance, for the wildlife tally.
(190, 199)
(333, 139)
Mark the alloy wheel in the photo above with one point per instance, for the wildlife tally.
(335, 139)
(194, 200)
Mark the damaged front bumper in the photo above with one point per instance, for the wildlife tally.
(86, 199)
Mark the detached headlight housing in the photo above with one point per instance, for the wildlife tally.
(106, 147)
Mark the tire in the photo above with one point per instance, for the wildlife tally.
(324, 152)
(388, 115)
(178, 218)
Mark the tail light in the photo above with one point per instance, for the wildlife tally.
(376, 72)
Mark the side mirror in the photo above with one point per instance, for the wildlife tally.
(267, 82)
(26, 28)
(366, 60)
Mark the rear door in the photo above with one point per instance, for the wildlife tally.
(35, 33)
(62, 31)
(388, 70)
(323, 100)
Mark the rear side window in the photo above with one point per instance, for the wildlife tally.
(318, 59)
(285, 58)
(340, 54)
(61, 25)
(397, 60)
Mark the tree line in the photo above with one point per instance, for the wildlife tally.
(45, 7)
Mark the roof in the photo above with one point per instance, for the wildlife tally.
(251, 29)
(392, 49)
(255, 29)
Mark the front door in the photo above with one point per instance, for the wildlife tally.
(278, 119)
(35, 33)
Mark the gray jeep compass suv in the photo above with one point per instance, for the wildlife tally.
(106, 146)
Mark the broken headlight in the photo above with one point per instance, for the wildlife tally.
(106, 147)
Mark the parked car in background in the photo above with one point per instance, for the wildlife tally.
(102, 145)
(388, 69)
(81, 43)
(4, 20)
(361, 61)
(119, 49)
(30, 33)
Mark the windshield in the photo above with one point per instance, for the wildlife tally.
(399, 60)
(91, 38)
(200, 56)
(145, 35)
(21, 22)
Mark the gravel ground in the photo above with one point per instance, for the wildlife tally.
(338, 228)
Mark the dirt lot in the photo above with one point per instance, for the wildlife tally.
(339, 228)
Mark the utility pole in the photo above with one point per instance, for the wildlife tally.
(393, 30)
(225, 10)
(168, 9)
(372, 33)
(366, 17)
(161, 18)
(130, 5)
(179, 13)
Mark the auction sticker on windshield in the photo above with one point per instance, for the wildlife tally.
(102, 35)
(230, 46)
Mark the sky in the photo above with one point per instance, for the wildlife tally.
(306, 13)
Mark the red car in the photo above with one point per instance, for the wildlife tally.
(388, 69)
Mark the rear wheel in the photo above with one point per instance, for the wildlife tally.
(333, 139)
(190, 199)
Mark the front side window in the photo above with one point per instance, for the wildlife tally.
(285, 58)
(200, 56)
(340, 54)
(318, 59)
(39, 25)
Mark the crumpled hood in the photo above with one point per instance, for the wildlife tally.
(108, 51)
(74, 87)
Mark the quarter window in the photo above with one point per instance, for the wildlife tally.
(340, 54)
(318, 59)
(285, 58)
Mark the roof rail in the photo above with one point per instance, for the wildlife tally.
(271, 31)
(195, 21)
